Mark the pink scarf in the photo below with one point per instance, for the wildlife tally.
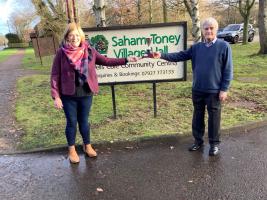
(78, 58)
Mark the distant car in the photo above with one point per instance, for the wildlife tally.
(220, 30)
(234, 33)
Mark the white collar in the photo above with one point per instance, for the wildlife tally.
(213, 41)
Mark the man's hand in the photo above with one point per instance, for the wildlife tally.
(156, 55)
(133, 59)
(222, 95)
(58, 103)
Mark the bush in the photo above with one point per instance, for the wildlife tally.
(13, 38)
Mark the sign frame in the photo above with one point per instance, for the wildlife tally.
(182, 24)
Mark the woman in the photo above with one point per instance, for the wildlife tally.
(73, 83)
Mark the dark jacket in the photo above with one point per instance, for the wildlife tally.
(63, 75)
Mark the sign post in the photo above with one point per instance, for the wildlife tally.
(141, 41)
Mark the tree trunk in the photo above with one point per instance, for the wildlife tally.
(196, 31)
(139, 15)
(228, 11)
(263, 26)
(244, 9)
(99, 10)
(245, 29)
(150, 11)
(164, 6)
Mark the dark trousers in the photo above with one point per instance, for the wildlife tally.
(77, 109)
(202, 100)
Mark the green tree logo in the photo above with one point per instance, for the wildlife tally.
(100, 43)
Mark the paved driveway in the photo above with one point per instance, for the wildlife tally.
(158, 169)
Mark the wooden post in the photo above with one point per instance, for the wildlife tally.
(155, 99)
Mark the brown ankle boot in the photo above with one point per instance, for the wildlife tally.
(73, 156)
(89, 151)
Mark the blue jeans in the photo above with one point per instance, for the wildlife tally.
(202, 100)
(77, 109)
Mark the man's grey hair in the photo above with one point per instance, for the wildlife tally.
(209, 21)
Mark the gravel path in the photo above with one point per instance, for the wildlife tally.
(10, 71)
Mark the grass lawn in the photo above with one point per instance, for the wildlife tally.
(44, 125)
(31, 62)
(4, 54)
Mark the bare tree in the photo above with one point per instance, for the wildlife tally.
(231, 4)
(193, 10)
(86, 13)
(150, 2)
(3, 40)
(263, 26)
(53, 17)
(245, 7)
(230, 7)
(126, 12)
(20, 23)
(139, 14)
(99, 10)
(178, 8)
(164, 7)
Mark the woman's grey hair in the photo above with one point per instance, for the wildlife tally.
(209, 21)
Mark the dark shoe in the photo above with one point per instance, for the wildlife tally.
(195, 147)
(214, 150)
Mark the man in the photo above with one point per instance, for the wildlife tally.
(212, 72)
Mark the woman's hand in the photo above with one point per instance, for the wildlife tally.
(58, 103)
(133, 59)
(156, 55)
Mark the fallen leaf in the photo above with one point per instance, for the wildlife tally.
(128, 147)
(99, 189)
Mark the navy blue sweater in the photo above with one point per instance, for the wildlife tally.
(212, 66)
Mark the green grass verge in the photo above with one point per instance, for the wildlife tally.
(4, 54)
(44, 125)
(30, 61)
